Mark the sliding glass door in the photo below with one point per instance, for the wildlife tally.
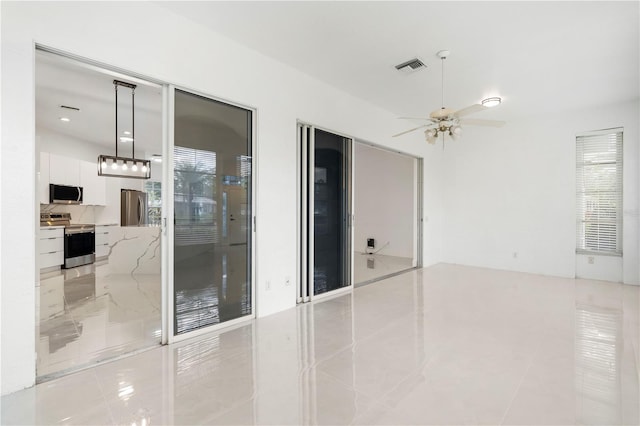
(212, 207)
(325, 242)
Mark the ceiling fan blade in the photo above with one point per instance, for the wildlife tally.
(469, 110)
(410, 130)
(477, 122)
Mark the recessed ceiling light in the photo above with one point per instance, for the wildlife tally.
(125, 139)
(65, 119)
(156, 158)
(126, 132)
(491, 102)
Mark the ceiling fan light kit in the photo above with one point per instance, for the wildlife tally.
(491, 102)
(447, 121)
(116, 166)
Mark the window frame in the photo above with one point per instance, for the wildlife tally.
(595, 159)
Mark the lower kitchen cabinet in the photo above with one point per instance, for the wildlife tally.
(51, 246)
(102, 240)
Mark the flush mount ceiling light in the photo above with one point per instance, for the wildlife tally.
(65, 119)
(116, 166)
(447, 121)
(156, 158)
(491, 102)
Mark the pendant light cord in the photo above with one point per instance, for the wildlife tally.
(133, 122)
(116, 86)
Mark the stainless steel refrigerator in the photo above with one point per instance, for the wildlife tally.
(133, 208)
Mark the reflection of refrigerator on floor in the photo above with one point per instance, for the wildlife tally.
(133, 208)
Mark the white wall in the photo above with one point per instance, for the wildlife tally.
(512, 190)
(168, 48)
(384, 186)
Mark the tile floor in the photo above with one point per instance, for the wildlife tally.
(443, 345)
(90, 314)
(368, 267)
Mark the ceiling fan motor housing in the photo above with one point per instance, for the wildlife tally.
(442, 113)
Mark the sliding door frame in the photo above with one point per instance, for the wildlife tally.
(169, 217)
(305, 214)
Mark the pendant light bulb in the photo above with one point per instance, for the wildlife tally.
(124, 166)
(144, 168)
(134, 167)
(114, 165)
(104, 164)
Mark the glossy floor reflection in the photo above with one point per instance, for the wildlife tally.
(367, 267)
(90, 314)
(443, 345)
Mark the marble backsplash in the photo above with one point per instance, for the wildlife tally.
(79, 213)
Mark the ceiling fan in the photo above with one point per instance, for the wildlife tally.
(447, 121)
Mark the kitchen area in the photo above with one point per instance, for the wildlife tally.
(99, 240)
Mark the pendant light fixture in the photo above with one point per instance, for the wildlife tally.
(116, 166)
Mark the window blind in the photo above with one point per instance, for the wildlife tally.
(599, 192)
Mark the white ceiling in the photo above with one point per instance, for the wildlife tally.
(63, 81)
(541, 57)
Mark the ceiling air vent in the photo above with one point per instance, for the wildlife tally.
(410, 66)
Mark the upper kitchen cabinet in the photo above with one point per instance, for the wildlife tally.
(64, 170)
(94, 186)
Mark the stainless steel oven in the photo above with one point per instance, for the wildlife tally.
(79, 245)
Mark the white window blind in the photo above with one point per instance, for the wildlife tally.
(599, 192)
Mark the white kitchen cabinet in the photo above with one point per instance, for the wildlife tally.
(64, 170)
(43, 181)
(94, 187)
(102, 240)
(51, 246)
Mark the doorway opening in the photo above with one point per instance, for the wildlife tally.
(388, 213)
(108, 303)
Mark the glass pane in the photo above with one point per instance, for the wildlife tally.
(212, 193)
(331, 207)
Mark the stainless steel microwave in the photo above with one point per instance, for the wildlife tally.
(62, 194)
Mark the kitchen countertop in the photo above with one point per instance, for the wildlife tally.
(52, 227)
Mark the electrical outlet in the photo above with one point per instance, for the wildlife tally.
(591, 260)
(287, 281)
(267, 285)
